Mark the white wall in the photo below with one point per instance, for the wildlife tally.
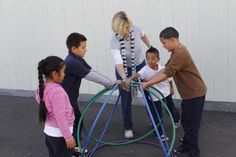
(33, 29)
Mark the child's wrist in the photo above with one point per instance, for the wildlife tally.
(148, 84)
(124, 78)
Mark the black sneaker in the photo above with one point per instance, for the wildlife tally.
(164, 138)
(76, 152)
(181, 140)
(76, 149)
(177, 154)
(181, 149)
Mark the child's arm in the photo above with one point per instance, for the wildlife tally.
(171, 87)
(97, 77)
(141, 73)
(134, 76)
(157, 78)
(58, 104)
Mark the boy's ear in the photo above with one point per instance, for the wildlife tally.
(73, 48)
(174, 39)
(161, 39)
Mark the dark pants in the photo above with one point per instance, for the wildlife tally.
(153, 111)
(171, 106)
(77, 114)
(57, 147)
(191, 119)
(126, 100)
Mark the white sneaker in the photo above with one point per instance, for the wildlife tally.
(128, 134)
(163, 138)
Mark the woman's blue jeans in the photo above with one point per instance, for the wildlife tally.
(126, 99)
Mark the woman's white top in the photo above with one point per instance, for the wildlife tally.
(115, 48)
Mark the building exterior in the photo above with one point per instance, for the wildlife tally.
(33, 29)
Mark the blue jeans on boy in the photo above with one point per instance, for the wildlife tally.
(77, 114)
(171, 106)
(126, 99)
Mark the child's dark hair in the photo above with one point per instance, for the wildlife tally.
(168, 33)
(153, 50)
(74, 40)
(45, 67)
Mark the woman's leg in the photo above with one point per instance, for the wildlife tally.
(126, 100)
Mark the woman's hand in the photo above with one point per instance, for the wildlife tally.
(126, 87)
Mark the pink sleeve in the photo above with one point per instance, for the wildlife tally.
(59, 110)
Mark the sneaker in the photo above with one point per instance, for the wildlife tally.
(177, 124)
(164, 138)
(76, 149)
(76, 154)
(179, 154)
(181, 149)
(181, 140)
(128, 134)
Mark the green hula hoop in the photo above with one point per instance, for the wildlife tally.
(105, 90)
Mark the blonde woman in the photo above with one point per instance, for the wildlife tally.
(126, 48)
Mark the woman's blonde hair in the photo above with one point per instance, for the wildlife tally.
(119, 21)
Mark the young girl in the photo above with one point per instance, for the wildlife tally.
(55, 110)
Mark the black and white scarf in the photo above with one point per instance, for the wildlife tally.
(124, 57)
(123, 54)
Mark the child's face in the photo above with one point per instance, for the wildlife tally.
(58, 77)
(168, 44)
(80, 50)
(152, 60)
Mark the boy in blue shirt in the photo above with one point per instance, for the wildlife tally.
(77, 69)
